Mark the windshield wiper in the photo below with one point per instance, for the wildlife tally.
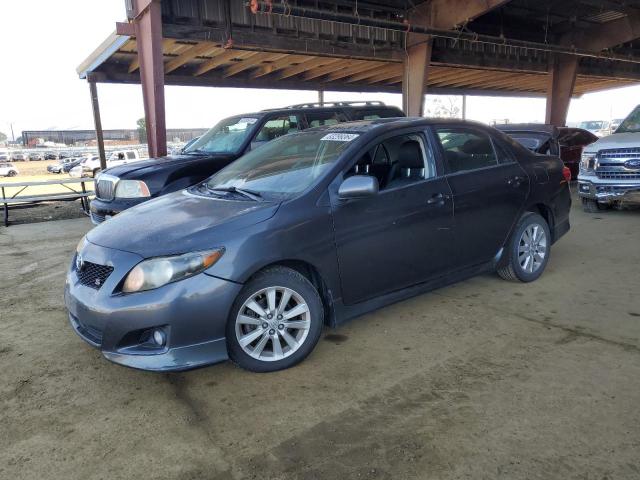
(197, 151)
(250, 194)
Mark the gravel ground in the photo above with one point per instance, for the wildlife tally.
(481, 380)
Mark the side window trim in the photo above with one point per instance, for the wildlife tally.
(447, 168)
(426, 146)
(499, 145)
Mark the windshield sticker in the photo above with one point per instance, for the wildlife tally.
(339, 137)
(250, 121)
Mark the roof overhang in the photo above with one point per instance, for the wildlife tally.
(229, 46)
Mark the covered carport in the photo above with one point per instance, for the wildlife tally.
(475, 47)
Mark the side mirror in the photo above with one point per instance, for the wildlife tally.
(358, 186)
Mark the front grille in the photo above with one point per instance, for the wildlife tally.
(105, 188)
(97, 218)
(619, 153)
(612, 164)
(618, 175)
(93, 275)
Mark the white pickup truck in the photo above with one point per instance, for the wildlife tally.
(610, 168)
(91, 165)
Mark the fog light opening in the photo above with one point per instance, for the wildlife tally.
(159, 338)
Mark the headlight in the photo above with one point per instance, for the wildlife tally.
(588, 164)
(81, 244)
(132, 189)
(156, 272)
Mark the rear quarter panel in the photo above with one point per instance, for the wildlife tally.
(550, 189)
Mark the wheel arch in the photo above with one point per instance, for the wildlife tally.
(311, 273)
(545, 212)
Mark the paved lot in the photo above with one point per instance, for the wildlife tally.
(481, 380)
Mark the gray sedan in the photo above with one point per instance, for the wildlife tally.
(313, 228)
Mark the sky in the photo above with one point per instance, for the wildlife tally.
(43, 41)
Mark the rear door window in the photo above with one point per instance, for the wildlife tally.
(317, 119)
(131, 155)
(466, 149)
(277, 127)
(374, 113)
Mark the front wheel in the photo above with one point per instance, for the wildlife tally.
(275, 322)
(528, 250)
(12, 173)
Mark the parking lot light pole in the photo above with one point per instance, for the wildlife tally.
(97, 122)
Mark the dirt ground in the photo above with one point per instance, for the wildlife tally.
(481, 380)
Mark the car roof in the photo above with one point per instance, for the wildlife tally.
(528, 127)
(315, 109)
(381, 125)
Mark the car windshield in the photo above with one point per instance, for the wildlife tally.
(285, 166)
(226, 137)
(592, 125)
(631, 124)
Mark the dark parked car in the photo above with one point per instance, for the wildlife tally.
(122, 187)
(67, 166)
(565, 142)
(50, 156)
(572, 143)
(314, 228)
(58, 167)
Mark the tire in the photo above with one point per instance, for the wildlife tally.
(263, 335)
(95, 172)
(12, 173)
(592, 206)
(522, 266)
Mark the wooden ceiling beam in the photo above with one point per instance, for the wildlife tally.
(167, 43)
(373, 72)
(380, 77)
(357, 68)
(225, 57)
(308, 65)
(327, 69)
(197, 50)
(273, 67)
(251, 63)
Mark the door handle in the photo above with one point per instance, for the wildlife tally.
(437, 199)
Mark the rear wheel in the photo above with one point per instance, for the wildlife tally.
(275, 322)
(12, 173)
(528, 250)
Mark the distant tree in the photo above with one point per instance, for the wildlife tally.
(142, 130)
(3, 137)
(443, 107)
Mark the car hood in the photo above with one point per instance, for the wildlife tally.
(617, 140)
(179, 222)
(139, 168)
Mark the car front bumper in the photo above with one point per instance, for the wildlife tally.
(192, 314)
(102, 210)
(607, 191)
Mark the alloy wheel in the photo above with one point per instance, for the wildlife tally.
(532, 248)
(273, 323)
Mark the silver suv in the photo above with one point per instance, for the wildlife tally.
(610, 168)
